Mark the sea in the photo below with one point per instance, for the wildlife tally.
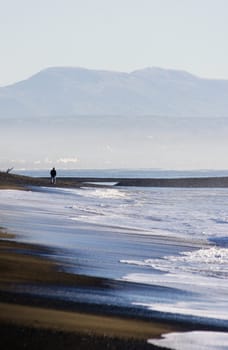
(127, 173)
(165, 248)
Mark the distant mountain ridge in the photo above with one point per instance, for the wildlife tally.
(69, 91)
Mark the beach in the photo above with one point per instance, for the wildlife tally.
(67, 280)
(32, 322)
(28, 321)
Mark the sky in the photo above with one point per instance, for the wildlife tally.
(119, 35)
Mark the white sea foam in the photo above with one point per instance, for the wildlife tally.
(211, 261)
(195, 340)
(110, 193)
(202, 274)
(204, 296)
(201, 308)
(190, 213)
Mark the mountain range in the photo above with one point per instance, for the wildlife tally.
(72, 91)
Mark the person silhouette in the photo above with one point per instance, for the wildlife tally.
(53, 174)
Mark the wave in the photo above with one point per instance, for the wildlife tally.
(210, 262)
(201, 340)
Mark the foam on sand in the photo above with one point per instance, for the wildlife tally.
(193, 341)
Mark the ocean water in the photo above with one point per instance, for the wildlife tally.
(127, 173)
(168, 245)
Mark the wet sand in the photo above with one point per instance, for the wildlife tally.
(29, 321)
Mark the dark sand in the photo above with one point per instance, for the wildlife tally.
(13, 181)
(32, 322)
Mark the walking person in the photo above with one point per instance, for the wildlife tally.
(53, 174)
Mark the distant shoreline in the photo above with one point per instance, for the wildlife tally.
(152, 182)
(13, 181)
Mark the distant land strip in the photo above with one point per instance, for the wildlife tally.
(177, 182)
(153, 182)
(24, 182)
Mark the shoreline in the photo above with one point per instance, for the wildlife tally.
(23, 265)
(21, 182)
(29, 318)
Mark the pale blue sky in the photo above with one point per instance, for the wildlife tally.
(121, 35)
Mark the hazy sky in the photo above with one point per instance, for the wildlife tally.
(113, 34)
